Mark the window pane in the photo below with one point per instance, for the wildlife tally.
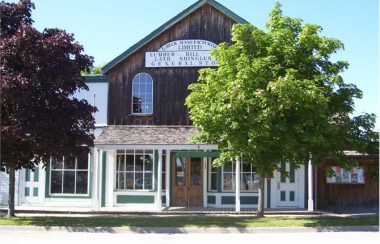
(148, 162)
(120, 164)
(56, 182)
(129, 181)
(245, 181)
(246, 168)
(82, 162)
(81, 183)
(139, 162)
(228, 181)
(56, 164)
(292, 172)
(180, 174)
(148, 108)
(139, 181)
(195, 172)
(148, 181)
(130, 163)
(163, 181)
(228, 168)
(120, 180)
(69, 182)
(69, 162)
(213, 181)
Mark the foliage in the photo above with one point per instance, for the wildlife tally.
(277, 96)
(94, 70)
(40, 71)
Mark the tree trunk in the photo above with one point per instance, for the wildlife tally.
(260, 204)
(11, 196)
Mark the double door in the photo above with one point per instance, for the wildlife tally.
(188, 182)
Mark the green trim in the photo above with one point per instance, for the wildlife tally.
(47, 179)
(163, 199)
(169, 24)
(291, 173)
(27, 175)
(47, 182)
(211, 200)
(35, 191)
(268, 193)
(244, 200)
(292, 195)
(134, 199)
(95, 78)
(219, 180)
(197, 154)
(36, 174)
(103, 193)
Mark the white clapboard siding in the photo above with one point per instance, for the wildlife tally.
(96, 95)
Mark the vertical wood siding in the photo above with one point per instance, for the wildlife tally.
(170, 85)
(346, 195)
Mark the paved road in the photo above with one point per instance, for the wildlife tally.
(190, 238)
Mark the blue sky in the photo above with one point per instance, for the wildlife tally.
(107, 28)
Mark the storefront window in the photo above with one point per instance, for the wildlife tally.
(134, 170)
(69, 175)
(249, 180)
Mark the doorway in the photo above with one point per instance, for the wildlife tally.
(30, 192)
(287, 186)
(188, 182)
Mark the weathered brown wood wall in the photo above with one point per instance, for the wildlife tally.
(346, 195)
(170, 85)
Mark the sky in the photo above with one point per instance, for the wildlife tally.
(108, 28)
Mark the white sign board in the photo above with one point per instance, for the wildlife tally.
(182, 53)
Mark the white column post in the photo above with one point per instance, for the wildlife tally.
(310, 202)
(159, 181)
(167, 180)
(237, 185)
(111, 158)
(100, 180)
(95, 177)
(205, 165)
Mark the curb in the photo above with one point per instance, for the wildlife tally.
(185, 230)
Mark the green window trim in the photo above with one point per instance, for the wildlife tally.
(71, 196)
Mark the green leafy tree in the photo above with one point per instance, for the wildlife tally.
(40, 71)
(276, 96)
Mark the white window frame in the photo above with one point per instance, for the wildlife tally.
(128, 152)
(234, 177)
(75, 178)
(209, 177)
(133, 81)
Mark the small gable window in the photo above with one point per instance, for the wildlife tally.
(142, 94)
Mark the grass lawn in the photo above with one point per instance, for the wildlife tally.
(186, 221)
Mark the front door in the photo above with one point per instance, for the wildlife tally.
(31, 188)
(187, 183)
(287, 186)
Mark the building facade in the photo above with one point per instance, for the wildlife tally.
(143, 159)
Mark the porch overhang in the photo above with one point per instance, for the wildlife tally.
(125, 137)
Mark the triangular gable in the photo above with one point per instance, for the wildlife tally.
(169, 24)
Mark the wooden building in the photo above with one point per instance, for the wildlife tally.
(143, 158)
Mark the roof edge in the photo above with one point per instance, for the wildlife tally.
(169, 24)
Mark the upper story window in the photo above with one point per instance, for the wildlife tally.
(142, 94)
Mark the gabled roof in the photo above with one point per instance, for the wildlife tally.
(169, 24)
(95, 78)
